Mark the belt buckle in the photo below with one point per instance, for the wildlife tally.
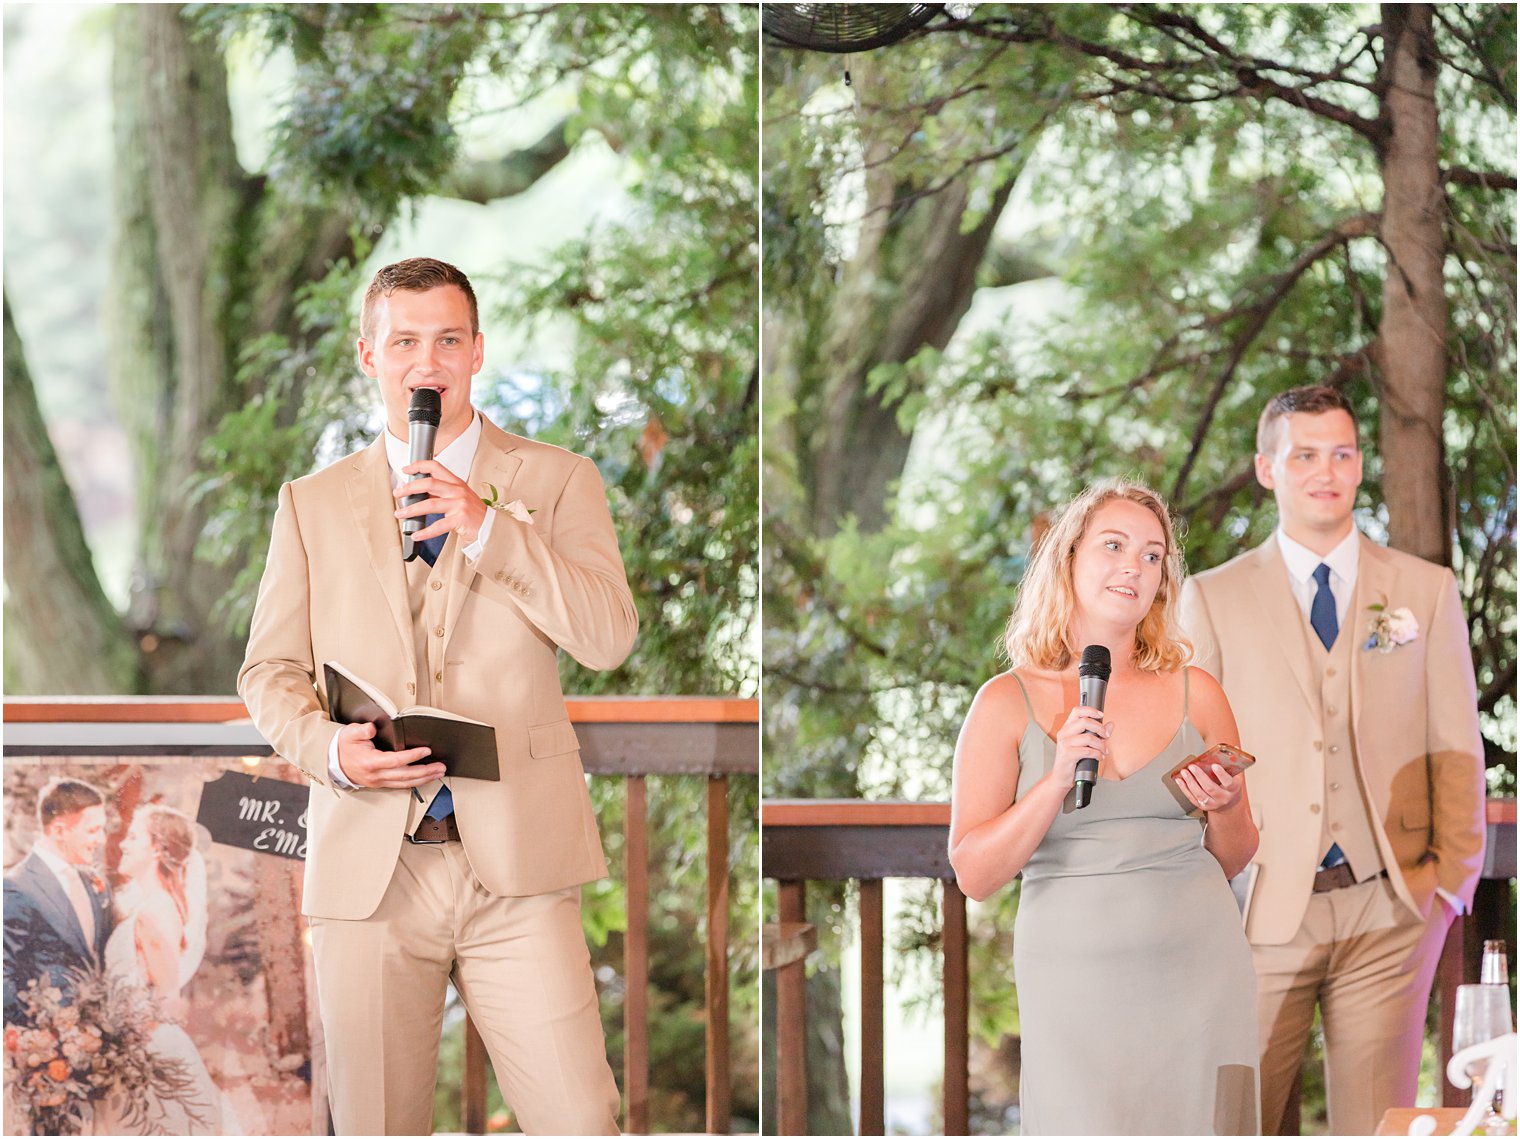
(426, 820)
(1336, 877)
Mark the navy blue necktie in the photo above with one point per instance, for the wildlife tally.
(443, 803)
(1322, 611)
(1322, 617)
(431, 547)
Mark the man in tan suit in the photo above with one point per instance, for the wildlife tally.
(1348, 668)
(414, 880)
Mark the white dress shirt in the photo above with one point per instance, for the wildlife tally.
(457, 458)
(1302, 562)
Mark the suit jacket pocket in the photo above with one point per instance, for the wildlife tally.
(552, 739)
(1415, 815)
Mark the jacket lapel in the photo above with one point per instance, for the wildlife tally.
(38, 881)
(1280, 611)
(369, 495)
(496, 462)
(1375, 580)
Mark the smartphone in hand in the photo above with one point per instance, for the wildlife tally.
(1232, 759)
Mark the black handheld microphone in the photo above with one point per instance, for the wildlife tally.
(422, 428)
(1092, 683)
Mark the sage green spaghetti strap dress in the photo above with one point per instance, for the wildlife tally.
(1137, 999)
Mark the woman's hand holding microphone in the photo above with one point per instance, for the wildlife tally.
(1083, 736)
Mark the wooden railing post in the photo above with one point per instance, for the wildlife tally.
(636, 957)
(957, 1010)
(791, 1020)
(872, 993)
(718, 1113)
(1448, 977)
(474, 1090)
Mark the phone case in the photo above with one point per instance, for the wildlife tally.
(1232, 759)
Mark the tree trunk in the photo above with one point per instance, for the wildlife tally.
(1411, 347)
(176, 275)
(907, 288)
(63, 635)
(206, 260)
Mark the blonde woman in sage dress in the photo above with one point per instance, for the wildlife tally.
(1135, 987)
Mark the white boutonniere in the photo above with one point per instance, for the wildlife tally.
(1390, 628)
(515, 508)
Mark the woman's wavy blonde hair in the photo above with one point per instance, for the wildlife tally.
(1040, 628)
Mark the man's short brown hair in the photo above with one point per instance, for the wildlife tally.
(417, 275)
(1315, 399)
(64, 797)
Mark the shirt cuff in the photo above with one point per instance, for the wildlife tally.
(473, 551)
(335, 772)
(1452, 900)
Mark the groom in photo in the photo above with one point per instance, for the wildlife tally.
(414, 880)
(1348, 668)
(57, 905)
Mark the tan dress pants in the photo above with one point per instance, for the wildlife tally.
(1368, 963)
(522, 970)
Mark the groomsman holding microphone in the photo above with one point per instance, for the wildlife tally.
(414, 878)
(1348, 667)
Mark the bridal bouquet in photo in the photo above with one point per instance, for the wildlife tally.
(72, 1055)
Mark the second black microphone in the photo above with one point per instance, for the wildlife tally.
(422, 418)
(1092, 684)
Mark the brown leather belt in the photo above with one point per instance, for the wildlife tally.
(435, 830)
(1337, 877)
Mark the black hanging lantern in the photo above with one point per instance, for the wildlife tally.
(843, 28)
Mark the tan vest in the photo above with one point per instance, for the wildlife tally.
(427, 589)
(1347, 819)
(427, 595)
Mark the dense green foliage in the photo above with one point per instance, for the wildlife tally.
(1204, 241)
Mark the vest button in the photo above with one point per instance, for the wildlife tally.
(1318, 744)
(1314, 808)
(438, 632)
(438, 676)
(1331, 710)
(1334, 748)
(1329, 672)
(437, 585)
(411, 689)
(1335, 786)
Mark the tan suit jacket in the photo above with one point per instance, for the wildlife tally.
(1414, 721)
(335, 589)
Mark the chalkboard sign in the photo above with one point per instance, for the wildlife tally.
(264, 815)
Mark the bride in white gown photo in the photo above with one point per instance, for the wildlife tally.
(158, 943)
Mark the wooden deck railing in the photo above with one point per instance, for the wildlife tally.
(805, 840)
(842, 839)
(627, 737)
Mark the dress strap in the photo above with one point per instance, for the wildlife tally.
(1028, 704)
(1185, 671)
